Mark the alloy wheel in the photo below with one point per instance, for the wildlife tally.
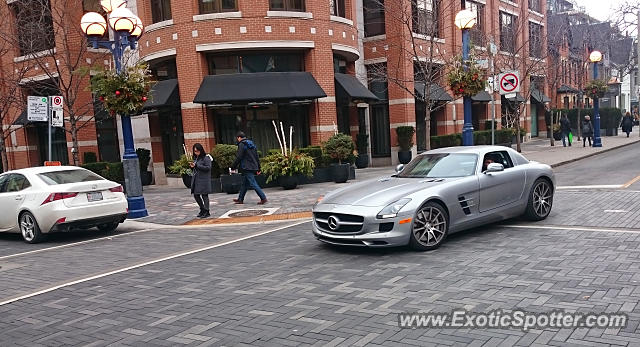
(27, 226)
(542, 199)
(429, 226)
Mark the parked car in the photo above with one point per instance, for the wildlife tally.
(439, 192)
(40, 200)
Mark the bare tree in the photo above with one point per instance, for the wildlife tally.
(51, 41)
(419, 26)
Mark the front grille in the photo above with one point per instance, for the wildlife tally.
(347, 223)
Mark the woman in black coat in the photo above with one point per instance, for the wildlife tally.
(587, 130)
(201, 180)
(627, 124)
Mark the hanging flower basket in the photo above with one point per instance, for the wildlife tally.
(596, 89)
(123, 93)
(465, 82)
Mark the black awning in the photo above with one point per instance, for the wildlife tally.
(257, 87)
(539, 96)
(517, 98)
(482, 96)
(353, 88)
(163, 94)
(22, 119)
(436, 93)
(566, 89)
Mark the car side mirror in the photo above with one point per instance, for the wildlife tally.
(399, 168)
(494, 167)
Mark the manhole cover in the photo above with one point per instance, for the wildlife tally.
(248, 213)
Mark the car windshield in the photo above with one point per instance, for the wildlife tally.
(440, 165)
(69, 176)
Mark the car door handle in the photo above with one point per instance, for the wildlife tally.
(18, 197)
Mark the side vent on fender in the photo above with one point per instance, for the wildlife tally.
(466, 204)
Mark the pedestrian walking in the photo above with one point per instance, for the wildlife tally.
(587, 130)
(627, 123)
(565, 128)
(248, 163)
(201, 180)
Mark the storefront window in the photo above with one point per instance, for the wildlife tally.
(255, 62)
(164, 69)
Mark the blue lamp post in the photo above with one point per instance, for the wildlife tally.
(595, 58)
(465, 20)
(126, 30)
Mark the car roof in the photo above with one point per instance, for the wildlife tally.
(42, 169)
(468, 149)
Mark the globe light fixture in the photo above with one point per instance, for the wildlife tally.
(138, 28)
(465, 19)
(595, 56)
(93, 24)
(122, 20)
(109, 5)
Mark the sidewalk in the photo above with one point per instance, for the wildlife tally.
(175, 206)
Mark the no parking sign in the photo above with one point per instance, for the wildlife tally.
(509, 82)
(57, 114)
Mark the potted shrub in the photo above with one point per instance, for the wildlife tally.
(144, 157)
(340, 147)
(181, 167)
(287, 169)
(362, 143)
(405, 142)
(224, 156)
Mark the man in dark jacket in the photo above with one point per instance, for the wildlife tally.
(565, 128)
(248, 163)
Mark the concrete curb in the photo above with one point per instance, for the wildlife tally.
(594, 154)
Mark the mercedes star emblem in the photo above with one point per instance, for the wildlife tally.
(334, 223)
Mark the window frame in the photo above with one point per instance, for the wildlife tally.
(535, 46)
(337, 6)
(289, 6)
(165, 14)
(507, 31)
(477, 31)
(217, 5)
(24, 8)
(371, 15)
(423, 20)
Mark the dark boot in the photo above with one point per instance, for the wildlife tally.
(201, 213)
(205, 214)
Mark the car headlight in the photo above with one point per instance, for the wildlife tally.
(318, 201)
(392, 209)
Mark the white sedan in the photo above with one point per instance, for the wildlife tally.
(40, 200)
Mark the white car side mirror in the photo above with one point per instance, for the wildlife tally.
(494, 167)
(399, 168)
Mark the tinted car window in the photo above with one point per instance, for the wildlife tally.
(16, 183)
(69, 176)
(441, 165)
(501, 157)
(3, 183)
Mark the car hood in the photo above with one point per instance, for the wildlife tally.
(381, 191)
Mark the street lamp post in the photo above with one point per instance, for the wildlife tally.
(126, 30)
(595, 57)
(465, 20)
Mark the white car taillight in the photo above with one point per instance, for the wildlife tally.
(117, 189)
(58, 196)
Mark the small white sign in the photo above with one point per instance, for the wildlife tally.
(57, 113)
(482, 63)
(37, 108)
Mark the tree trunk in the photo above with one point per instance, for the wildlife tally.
(427, 127)
(518, 148)
(579, 123)
(5, 159)
(74, 140)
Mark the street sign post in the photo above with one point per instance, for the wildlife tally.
(509, 82)
(37, 108)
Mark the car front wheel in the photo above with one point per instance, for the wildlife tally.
(430, 227)
(540, 200)
(29, 228)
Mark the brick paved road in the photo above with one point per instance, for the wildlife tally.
(285, 288)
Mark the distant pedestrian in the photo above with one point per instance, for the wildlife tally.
(565, 128)
(587, 130)
(201, 180)
(627, 123)
(248, 163)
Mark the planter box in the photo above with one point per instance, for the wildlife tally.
(231, 183)
(146, 178)
(216, 186)
(352, 172)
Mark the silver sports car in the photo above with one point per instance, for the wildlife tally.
(439, 192)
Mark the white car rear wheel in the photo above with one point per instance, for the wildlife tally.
(108, 227)
(29, 228)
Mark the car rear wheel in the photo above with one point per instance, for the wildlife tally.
(108, 227)
(29, 228)
(540, 200)
(430, 227)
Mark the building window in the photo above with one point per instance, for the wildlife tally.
(338, 8)
(422, 72)
(287, 5)
(425, 17)
(339, 64)
(160, 10)
(216, 6)
(477, 32)
(535, 5)
(255, 62)
(33, 17)
(164, 69)
(507, 32)
(373, 17)
(535, 40)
